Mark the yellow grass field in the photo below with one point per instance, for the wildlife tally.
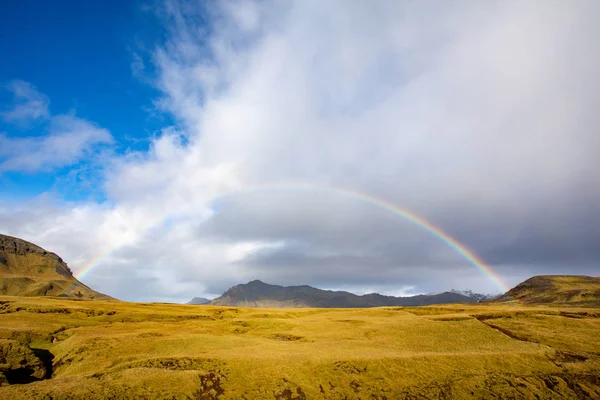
(119, 350)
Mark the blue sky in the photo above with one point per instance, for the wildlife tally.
(124, 125)
(79, 54)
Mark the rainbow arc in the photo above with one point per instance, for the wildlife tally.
(403, 213)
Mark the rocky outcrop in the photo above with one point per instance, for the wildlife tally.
(29, 270)
(19, 364)
(18, 247)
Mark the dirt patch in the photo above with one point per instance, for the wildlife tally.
(6, 307)
(284, 337)
(49, 310)
(348, 368)
(351, 321)
(194, 317)
(150, 334)
(182, 364)
(210, 387)
(579, 315)
(241, 327)
(288, 394)
(355, 385)
(451, 319)
(564, 386)
(568, 357)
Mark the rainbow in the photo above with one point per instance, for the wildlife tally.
(421, 222)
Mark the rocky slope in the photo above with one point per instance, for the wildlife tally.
(575, 290)
(28, 270)
(260, 294)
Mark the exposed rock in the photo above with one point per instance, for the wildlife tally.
(28, 270)
(19, 364)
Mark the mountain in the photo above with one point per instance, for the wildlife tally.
(575, 290)
(260, 294)
(198, 300)
(475, 296)
(28, 270)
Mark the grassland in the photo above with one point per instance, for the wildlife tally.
(109, 349)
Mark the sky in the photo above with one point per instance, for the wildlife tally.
(172, 149)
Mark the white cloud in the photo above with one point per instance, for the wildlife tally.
(241, 250)
(29, 104)
(70, 139)
(479, 116)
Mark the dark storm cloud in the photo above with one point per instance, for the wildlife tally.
(538, 236)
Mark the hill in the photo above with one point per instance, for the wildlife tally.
(574, 290)
(260, 294)
(28, 270)
(199, 300)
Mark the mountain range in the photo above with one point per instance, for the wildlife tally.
(260, 294)
(29, 270)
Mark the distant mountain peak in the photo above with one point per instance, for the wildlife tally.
(257, 282)
(475, 296)
(199, 300)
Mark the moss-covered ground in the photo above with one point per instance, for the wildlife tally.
(120, 350)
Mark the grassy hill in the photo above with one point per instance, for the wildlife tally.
(573, 290)
(260, 294)
(106, 349)
(28, 270)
